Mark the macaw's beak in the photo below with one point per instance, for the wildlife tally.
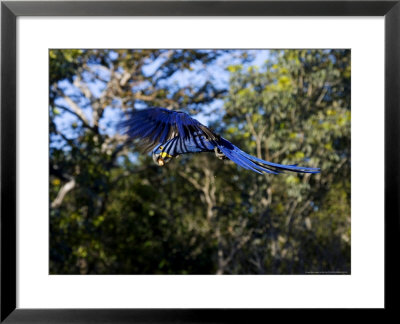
(161, 158)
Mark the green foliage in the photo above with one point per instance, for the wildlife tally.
(63, 64)
(199, 215)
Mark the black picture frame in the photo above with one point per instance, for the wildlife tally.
(10, 10)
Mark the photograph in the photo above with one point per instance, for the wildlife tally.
(199, 161)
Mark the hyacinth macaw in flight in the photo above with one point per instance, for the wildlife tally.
(170, 133)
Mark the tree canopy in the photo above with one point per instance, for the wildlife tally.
(113, 211)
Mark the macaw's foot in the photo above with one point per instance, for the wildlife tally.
(219, 154)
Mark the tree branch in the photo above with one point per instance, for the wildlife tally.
(77, 110)
(63, 191)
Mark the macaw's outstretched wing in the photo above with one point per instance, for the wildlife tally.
(155, 126)
(250, 162)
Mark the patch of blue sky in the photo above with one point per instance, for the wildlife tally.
(100, 71)
(211, 113)
(82, 103)
(96, 87)
(182, 79)
(113, 55)
(140, 105)
(260, 58)
(96, 79)
(57, 142)
(112, 116)
(64, 122)
(216, 73)
(133, 157)
(68, 88)
(64, 127)
(140, 86)
(152, 66)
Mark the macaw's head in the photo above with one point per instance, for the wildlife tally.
(161, 158)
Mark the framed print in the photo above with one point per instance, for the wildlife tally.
(186, 166)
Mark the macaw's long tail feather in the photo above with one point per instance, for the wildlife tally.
(290, 167)
(252, 163)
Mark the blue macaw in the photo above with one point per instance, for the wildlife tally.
(170, 133)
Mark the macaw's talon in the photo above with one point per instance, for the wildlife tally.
(219, 154)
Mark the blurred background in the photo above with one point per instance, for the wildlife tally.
(113, 211)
